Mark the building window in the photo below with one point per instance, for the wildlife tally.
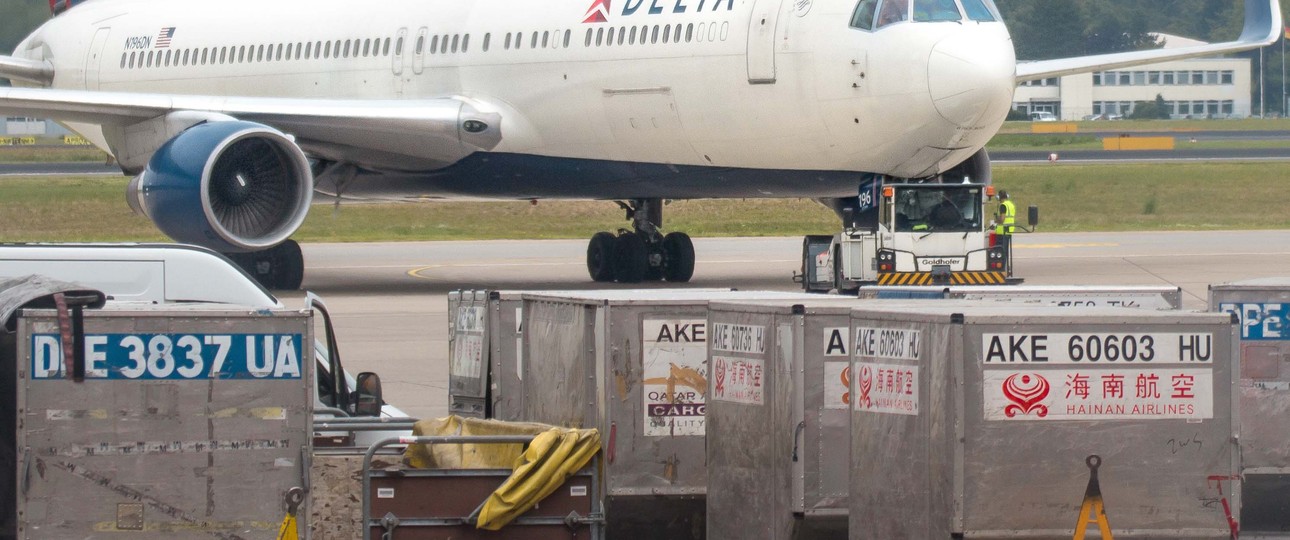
(1153, 77)
(1198, 77)
(1225, 77)
(1139, 78)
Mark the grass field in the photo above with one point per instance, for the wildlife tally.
(1071, 198)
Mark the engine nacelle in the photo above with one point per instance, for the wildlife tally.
(230, 186)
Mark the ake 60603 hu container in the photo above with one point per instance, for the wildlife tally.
(1004, 422)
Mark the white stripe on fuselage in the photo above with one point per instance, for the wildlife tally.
(843, 99)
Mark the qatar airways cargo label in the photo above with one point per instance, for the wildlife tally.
(674, 354)
(1098, 394)
(173, 356)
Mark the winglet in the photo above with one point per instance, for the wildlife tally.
(1262, 28)
(37, 71)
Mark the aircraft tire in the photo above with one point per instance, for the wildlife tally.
(288, 266)
(601, 257)
(631, 259)
(679, 249)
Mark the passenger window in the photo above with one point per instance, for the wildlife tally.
(689, 32)
(588, 40)
(367, 47)
(488, 36)
(187, 54)
(977, 10)
(600, 36)
(455, 41)
(385, 49)
(465, 42)
(892, 11)
(398, 47)
(533, 40)
(936, 11)
(421, 45)
(653, 36)
(546, 36)
(567, 33)
(610, 41)
(123, 57)
(168, 58)
(434, 44)
(508, 39)
(132, 57)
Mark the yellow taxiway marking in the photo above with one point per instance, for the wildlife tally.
(417, 272)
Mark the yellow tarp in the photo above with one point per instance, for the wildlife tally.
(551, 458)
(467, 456)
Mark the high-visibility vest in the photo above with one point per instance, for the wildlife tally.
(1009, 212)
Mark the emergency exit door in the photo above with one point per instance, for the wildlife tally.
(761, 41)
(94, 59)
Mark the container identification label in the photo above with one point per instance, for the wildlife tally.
(889, 343)
(1099, 394)
(1260, 321)
(739, 338)
(837, 373)
(674, 354)
(173, 356)
(886, 388)
(738, 380)
(1098, 348)
(468, 344)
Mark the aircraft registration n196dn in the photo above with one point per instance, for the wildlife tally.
(230, 114)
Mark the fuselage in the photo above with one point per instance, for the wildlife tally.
(770, 85)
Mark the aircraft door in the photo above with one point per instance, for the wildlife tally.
(418, 51)
(94, 60)
(396, 65)
(761, 41)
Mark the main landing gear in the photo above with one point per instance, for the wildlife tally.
(642, 253)
(281, 267)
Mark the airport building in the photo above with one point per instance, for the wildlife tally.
(1195, 88)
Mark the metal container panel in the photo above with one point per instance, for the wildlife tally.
(750, 394)
(1263, 307)
(506, 355)
(1029, 404)
(1134, 296)
(189, 424)
(468, 352)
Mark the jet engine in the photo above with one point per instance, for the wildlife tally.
(232, 186)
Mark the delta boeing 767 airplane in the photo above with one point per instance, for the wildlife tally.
(229, 115)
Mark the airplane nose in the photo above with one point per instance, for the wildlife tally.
(971, 78)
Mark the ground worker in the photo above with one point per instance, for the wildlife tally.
(1005, 221)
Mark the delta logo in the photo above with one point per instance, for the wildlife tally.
(599, 10)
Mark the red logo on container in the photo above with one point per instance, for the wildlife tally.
(1025, 392)
(866, 384)
(720, 375)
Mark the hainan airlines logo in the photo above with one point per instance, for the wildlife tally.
(599, 10)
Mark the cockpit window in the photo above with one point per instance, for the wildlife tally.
(893, 11)
(863, 17)
(980, 10)
(936, 11)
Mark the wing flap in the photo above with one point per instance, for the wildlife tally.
(1262, 28)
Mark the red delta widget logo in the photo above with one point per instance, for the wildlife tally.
(599, 10)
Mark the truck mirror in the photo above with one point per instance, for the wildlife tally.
(368, 400)
(1032, 216)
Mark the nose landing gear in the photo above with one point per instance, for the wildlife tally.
(643, 253)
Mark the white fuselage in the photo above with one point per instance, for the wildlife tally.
(753, 84)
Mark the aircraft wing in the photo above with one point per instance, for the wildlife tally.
(402, 134)
(1262, 28)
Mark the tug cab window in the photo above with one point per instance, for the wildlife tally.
(940, 209)
(936, 11)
